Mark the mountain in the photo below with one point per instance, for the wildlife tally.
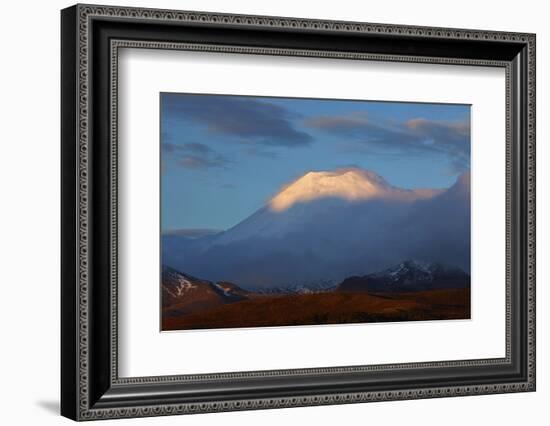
(313, 195)
(408, 276)
(184, 293)
(304, 288)
(232, 291)
(330, 225)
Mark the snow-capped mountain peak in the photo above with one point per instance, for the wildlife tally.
(409, 270)
(352, 184)
(409, 275)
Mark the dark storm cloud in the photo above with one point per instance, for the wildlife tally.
(245, 119)
(413, 137)
(194, 155)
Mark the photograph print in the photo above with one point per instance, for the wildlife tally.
(292, 211)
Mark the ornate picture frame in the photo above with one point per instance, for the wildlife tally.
(91, 37)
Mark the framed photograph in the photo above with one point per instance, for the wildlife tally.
(333, 242)
(263, 212)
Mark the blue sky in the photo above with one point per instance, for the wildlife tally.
(223, 157)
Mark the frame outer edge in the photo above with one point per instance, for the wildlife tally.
(83, 198)
(83, 13)
(69, 287)
(531, 200)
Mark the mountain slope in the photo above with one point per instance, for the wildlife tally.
(183, 293)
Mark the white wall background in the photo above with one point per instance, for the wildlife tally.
(29, 213)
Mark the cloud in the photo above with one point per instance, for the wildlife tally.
(343, 124)
(418, 136)
(255, 152)
(248, 120)
(194, 155)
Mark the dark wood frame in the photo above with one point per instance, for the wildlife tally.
(90, 386)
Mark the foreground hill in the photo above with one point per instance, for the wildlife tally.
(328, 308)
(183, 293)
(408, 291)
